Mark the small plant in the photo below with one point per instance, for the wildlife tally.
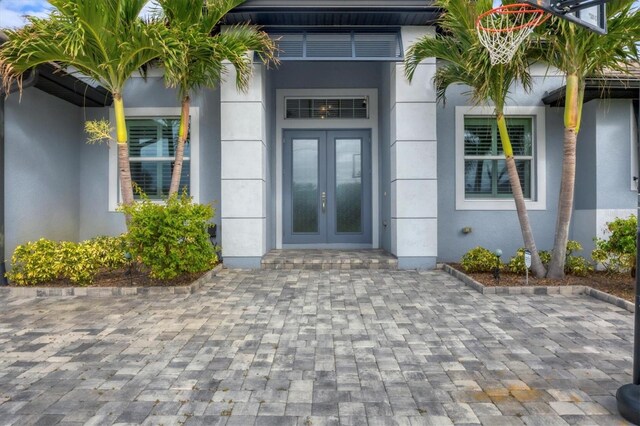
(171, 238)
(516, 264)
(479, 259)
(576, 265)
(618, 252)
(34, 263)
(45, 260)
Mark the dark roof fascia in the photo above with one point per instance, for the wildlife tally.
(296, 15)
(597, 89)
(65, 86)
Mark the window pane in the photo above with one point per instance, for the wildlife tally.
(305, 185)
(524, 173)
(154, 177)
(478, 178)
(478, 136)
(154, 137)
(323, 108)
(520, 135)
(348, 185)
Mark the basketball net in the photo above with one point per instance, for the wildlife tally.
(503, 29)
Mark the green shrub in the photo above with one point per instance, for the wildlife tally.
(516, 263)
(171, 238)
(618, 252)
(45, 260)
(34, 263)
(576, 265)
(479, 259)
(110, 251)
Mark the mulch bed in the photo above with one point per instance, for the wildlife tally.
(620, 285)
(121, 278)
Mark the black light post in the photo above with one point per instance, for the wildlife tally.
(628, 396)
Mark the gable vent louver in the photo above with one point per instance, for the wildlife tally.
(339, 46)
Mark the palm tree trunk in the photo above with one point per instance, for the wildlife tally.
(176, 174)
(516, 188)
(124, 169)
(572, 115)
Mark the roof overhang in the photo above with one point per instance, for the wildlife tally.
(598, 89)
(57, 82)
(65, 86)
(292, 13)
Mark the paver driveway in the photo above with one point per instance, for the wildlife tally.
(313, 348)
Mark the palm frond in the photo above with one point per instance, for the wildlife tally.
(464, 59)
(104, 39)
(193, 56)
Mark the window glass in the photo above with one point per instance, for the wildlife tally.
(152, 144)
(485, 171)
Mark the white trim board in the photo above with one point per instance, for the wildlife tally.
(329, 124)
(539, 166)
(153, 112)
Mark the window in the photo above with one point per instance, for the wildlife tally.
(321, 108)
(482, 179)
(152, 144)
(485, 171)
(153, 137)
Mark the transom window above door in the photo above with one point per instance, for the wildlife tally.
(323, 108)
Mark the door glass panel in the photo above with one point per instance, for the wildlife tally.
(348, 185)
(305, 185)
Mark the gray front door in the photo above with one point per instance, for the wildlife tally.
(327, 187)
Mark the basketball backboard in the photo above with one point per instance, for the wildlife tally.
(591, 14)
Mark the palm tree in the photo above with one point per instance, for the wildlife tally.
(193, 56)
(467, 62)
(580, 54)
(105, 40)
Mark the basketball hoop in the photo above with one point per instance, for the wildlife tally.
(503, 29)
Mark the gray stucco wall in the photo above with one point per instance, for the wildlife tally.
(498, 228)
(270, 113)
(95, 218)
(385, 160)
(42, 158)
(613, 151)
(586, 159)
(602, 176)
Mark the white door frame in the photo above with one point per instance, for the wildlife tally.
(327, 124)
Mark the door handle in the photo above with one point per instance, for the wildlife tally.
(324, 202)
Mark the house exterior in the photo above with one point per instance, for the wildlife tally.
(333, 148)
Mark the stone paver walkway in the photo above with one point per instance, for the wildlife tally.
(287, 347)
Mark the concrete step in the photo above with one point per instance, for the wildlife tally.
(329, 259)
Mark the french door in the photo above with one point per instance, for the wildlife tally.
(327, 187)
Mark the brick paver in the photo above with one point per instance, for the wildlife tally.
(306, 347)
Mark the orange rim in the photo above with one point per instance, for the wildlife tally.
(539, 16)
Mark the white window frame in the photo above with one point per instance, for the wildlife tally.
(115, 196)
(539, 165)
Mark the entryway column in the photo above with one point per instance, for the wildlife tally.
(414, 185)
(243, 204)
